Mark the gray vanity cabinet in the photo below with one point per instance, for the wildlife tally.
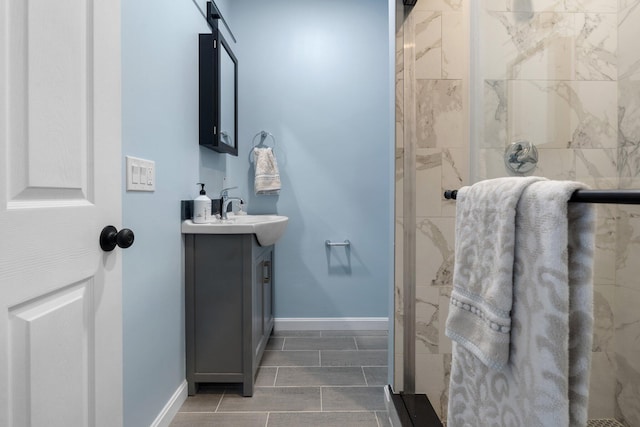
(229, 314)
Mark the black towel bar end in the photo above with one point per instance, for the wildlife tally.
(450, 194)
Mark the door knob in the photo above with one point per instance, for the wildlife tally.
(111, 237)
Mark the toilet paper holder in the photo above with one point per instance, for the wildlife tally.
(330, 243)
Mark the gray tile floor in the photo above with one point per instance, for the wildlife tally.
(307, 378)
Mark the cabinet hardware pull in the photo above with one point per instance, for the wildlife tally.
(266, 272)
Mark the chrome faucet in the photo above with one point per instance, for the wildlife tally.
(225, 200)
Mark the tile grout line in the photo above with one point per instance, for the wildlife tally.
(266, 423)
(220, 401)
(356, 343)
(320, 358)
(316, 385)
(321, 408)
(366, 383)
(276, 376)
(338, 349)
(377, 418)
(308, 366)
(342, 411)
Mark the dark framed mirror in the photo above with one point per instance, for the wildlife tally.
(218, 94)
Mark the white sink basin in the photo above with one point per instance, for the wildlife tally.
(267, 228)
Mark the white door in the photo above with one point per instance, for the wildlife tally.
(60, 294)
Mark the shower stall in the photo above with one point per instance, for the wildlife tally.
(473, 77)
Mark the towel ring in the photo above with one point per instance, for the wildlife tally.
(263, 135)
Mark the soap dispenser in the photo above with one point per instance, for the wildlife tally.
(201, 207)
(241, 209)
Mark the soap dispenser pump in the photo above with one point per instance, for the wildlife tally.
(201, 207)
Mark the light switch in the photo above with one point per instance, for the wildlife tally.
(141, 174)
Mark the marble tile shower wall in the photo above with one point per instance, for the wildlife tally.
(565, 75)
(626, 320)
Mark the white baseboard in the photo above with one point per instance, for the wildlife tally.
(331, 324)
(172, 407)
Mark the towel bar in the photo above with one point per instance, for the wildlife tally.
(625, 197)
(330, 243)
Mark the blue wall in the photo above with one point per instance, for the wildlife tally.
(316, 74)
(160, 122)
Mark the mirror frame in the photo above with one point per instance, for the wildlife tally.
(211, 51)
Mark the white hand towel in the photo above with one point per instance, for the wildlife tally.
(267, 176)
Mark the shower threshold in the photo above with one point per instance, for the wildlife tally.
(410, 410)
(413, 410)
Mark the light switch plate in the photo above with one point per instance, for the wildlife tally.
(141, 174)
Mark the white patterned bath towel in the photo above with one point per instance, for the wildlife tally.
(546, 381)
